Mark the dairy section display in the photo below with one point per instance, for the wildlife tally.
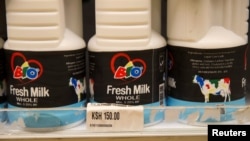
(122, 67)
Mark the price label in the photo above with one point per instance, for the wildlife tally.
(110, 117)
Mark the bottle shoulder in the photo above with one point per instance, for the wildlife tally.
(70, 41)
(216, 37)
(154, 41)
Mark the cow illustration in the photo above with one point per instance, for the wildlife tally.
(91, 88)
(214, 86)
(78, 86)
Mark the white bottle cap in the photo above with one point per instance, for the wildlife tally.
(35, 23)
(123, 22)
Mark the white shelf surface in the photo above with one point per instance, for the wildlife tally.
(160, 129)
(170, 126)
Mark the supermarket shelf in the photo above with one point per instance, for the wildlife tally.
(161, 129)
(170, 126)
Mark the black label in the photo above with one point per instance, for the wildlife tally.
(209, 75)
(129, 77)
(45, 79)
(2, 77)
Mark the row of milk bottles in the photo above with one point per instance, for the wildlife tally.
(201, 62)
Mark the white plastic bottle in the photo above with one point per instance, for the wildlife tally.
(46, 65)
(126, 57)
(207, 44)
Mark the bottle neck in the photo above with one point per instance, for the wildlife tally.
(190, 20)
(35, 22)
(122, 21)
